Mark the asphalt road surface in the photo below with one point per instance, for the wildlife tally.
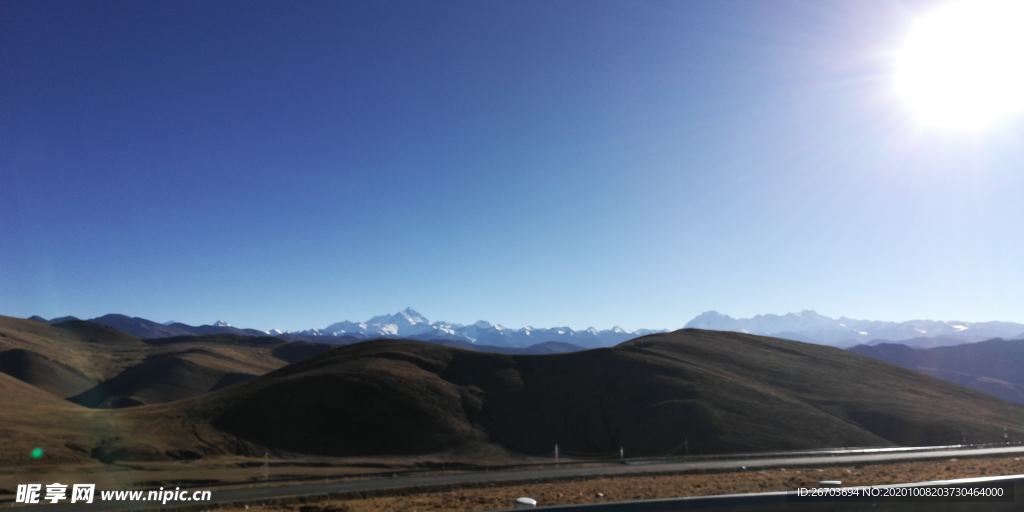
(257, 493)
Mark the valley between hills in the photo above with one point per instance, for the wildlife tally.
(120, 410)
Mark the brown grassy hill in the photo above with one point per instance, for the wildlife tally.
(102, 367)
(94, 350)
(188, 366)
(298, 350)
(168, 377)
(31, 418)
(69, 433)
(706, 390)
(44, 373)
(59, 359)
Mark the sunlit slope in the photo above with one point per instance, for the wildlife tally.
(93, 350)
(101, 367)
(701, 391)
(32, 418)
(184, 367)
(69, 433)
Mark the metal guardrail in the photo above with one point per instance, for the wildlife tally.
(830, 451)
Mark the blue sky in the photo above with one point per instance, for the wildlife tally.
(579, 163)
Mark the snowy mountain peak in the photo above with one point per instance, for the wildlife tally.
(410, 324)
(810, 326)
(221, 323)
(413, 317)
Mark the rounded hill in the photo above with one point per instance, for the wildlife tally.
(687, 391)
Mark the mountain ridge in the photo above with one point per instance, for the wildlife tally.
(809, 326)
(994, 366)
(409, 324)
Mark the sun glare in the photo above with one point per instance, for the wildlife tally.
(962, 67)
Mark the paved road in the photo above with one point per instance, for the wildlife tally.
(313, 489)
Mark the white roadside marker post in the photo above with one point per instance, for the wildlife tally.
(525, 502)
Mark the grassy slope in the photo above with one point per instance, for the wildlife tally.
(710, 391)
(132, 371)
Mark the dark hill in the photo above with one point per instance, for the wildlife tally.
(89, 332)
(140, 326)
(553, 347)
(149, 329)
(548, 347)
(326, 340)
(298, 350)
(44, 373)
(709, 391)
(995, 366)
(219, 339)
(215, 329)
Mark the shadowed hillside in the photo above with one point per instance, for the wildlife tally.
(710, 391)
(44, 373)
(298, 350)
(148, 329)
(548, 347)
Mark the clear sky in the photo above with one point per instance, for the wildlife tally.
(554, 163)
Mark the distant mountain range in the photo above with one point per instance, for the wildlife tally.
(149, 329)
(409, 324)
(808, 326)
(406, 324)
(690, 391)
(995, 366)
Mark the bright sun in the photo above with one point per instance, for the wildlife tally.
(962, 67)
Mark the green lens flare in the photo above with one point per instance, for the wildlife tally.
(37, 452)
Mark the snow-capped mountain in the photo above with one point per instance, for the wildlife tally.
(811, 327)
(402, 324)
(807, 326)
(410, 324)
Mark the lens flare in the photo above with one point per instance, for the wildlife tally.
(963, 66)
